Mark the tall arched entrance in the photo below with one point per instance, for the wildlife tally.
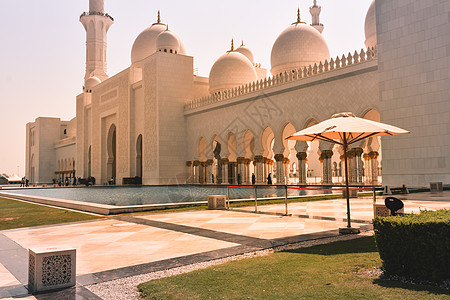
(111, 153)
(139, 156)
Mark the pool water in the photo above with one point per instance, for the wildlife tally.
(140, 195)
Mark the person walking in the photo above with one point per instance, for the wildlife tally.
(269, 178)
(253, 178)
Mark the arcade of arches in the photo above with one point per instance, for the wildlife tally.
(233, 159)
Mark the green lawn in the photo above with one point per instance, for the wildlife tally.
(17, 214)
(333, 271)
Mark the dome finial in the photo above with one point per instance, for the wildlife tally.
(299, 20)
(158, 19)
(242, 44)
(232, 45)
(315, 2)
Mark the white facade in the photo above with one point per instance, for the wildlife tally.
(414, 77)
(157, 121)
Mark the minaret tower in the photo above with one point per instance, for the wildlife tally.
(96, 23)
(315, 14)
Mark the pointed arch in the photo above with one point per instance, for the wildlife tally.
(139, 156)
(111, 152)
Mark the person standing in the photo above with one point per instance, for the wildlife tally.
(253, 178)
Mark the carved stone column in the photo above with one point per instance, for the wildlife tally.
(218, 179)
(196, 171)
(301, 170)
(247, 174)
(202, 173)
(190, 167)
(351, 166)
(358, 165)
(286, 163)
(367, 171)
(374, 166)
(240, 174)
(342, 169)
(259, 173)
(209, 163)
(325, 159)
(224, 162)
(265, 168)
(279, 158)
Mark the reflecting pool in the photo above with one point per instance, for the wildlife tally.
(140, 195)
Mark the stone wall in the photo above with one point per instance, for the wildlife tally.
(414, 50)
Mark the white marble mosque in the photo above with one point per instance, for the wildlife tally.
(161, 123)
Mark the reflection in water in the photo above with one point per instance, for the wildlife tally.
(140, 195)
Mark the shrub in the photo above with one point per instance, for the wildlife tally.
(416, 245)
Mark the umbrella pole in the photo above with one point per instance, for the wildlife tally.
(346, 181)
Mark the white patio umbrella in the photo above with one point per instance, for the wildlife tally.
(345, 129)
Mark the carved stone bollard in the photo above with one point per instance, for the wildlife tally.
(51, 269)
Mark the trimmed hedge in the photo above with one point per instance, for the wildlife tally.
(416, 245)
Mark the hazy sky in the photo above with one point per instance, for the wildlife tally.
(42, 50)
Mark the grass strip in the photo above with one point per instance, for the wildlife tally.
(18, 214)
(340, 270)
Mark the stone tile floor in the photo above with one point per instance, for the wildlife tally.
(127, 245)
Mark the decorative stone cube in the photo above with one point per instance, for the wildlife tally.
(380, 210)
(51, 268)
(217, 202)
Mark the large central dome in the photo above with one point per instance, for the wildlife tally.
(299, 45)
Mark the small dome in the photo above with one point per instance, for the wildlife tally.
(370, 27)
(230, 70)
(145, 43)
(91, 82)
(299, 45)
(167, 41)
(245, 51)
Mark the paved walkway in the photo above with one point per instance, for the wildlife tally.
(129, 245)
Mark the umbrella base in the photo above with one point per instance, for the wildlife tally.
(348, 230)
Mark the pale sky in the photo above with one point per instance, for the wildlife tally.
(42, 50)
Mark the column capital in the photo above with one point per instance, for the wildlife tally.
(188, 163)
(196, 163)
(209, 162)
(301, 155)
(258, 158)
(351, 153)
(358, 151)
(366, 156)
(286, 160)
(241, 160)
(279, 157)
(224, 161)
(374, 154)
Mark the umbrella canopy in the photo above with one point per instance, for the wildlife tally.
(345, 129)
(348, 126)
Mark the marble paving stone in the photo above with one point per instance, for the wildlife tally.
(110, 244)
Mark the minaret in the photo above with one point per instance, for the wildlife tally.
(315, 14)
(96, 23)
